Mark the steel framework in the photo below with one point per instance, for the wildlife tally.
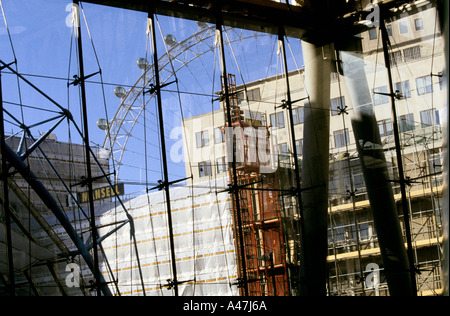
(258, 219)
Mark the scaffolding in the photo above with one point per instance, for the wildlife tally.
(260, 210)
(354, 258)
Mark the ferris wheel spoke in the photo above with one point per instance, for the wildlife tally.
(178, 56)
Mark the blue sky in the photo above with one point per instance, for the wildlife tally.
(42, 45)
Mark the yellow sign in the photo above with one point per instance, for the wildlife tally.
(253, 122)
(102, 193)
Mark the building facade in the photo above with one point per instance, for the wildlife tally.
(417, 59)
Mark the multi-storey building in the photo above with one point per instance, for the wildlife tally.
(43, 245)
(417, 58)
(61, 167)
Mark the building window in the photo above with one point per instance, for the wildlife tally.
(373, 34)
(396, 57)
(221, 165)
(277, 120)
(389, 29)
(336, 105)
(202, 139)
(385, 127)
(284, 150)
(254, 95)
(412, 53)
(299, 146)
(341, 138)
(240, 97)
(298, 115)
(424, 85)
(334, 76)
(294, 116)
(378, 98)
(403, 88)
(406, 123)
(280, 119)
(204, 169)
(418, 23)
(429, 118)
(435, 163)
(219, 135)
(403, 27)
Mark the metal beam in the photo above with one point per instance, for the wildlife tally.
(52, 205)
(57, 278)
(261, 16)
(298, 189)
(443, 11)
(5, 200)
(316, 21)
(82, 79)
(36, 290)
(165, 182)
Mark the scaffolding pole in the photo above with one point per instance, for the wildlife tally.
(298, 190)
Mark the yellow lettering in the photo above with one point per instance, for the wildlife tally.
(97, 194)
(84, 197)
(103, 193)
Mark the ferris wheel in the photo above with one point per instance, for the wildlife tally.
(179, 55)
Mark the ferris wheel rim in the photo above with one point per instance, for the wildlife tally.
(116, 125)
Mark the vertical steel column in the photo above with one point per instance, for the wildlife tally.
(6, 210)
(443, 7)
(165, 184)
(405, 204)
(229, 135)
(315, 171)
(298, 189)
(87, 145)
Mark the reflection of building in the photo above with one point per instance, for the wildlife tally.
(56, 160)
(417, 56)
(41, 247)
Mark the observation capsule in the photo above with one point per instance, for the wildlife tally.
(201, 24)
(102, 124)
(120, 92)
(142, 63)
(170, 40)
